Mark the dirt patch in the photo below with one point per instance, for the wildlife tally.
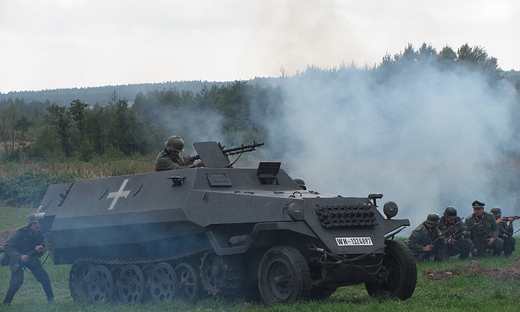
(474, 268)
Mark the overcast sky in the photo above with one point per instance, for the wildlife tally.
(49, 44)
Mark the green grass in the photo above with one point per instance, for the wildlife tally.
(462, 293)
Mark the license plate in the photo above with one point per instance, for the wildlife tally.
(354, 241)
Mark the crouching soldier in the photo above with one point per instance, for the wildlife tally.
(505, 226)
(425, 241)
(484, 231)
(453, 229)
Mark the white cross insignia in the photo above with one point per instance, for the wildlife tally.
(118, 194)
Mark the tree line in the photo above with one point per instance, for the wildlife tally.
(40, 130)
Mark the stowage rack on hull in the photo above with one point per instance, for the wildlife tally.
(221, 231)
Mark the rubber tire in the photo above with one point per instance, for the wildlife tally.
(400, 263)
(283, 276)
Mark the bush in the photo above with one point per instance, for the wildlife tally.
(28, 188)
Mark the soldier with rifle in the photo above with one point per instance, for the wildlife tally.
(484, 231)
(169, 158)
(452, 229)
(505, 224)
(24, 247)
(426, 241)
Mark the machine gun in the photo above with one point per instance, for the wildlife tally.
(232, 151)
(19, 264)
(215, 156)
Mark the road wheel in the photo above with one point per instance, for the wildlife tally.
(283, 276)
(78, 278)
(189, 282)
(100, 284)
(401, 269)
(222, 276)
(131, 284)
(163, 282)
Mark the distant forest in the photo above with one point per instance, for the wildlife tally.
(120, 121)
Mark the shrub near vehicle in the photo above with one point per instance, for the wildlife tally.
(224, 232)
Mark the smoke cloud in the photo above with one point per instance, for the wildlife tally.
(424, 138)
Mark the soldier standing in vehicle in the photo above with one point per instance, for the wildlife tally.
(452, 227)
(506, 231)
(485, 234)
(425, 241)
(169, 158)
(24, 248)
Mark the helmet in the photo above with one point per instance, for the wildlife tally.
(175, 143)
(300, 183)
(433, 218)
(31, 219)
(450, 212)
(496, 211)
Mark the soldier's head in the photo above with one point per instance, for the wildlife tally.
(175, 144)
(478, 208)
(32, 223)
(450, 214)
(432, 220)
(496, 212)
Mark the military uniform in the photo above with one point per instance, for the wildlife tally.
(422, 236)
(22, 241)
(166, 161)
(461, 246)
(487, 228)
(506, 234)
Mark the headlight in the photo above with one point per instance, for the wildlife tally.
(390, 209)
(295, 211)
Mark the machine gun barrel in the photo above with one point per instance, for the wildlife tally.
(233, 151)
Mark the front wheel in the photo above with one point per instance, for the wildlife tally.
(283, 276)
(401, 273)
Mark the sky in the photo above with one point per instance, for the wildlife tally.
(51, 44)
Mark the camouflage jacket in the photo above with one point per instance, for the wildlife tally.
(487, 227)
(420, 237)
(165, 161)
(21, 242)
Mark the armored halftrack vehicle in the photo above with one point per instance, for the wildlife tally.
(221, 231)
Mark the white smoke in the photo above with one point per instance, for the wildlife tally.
(426, 139)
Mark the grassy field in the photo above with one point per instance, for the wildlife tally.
(462, 293)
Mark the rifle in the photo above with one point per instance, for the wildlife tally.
(510, 218)
(232, 151)
(19, 264)
(458, 234)
(443, 234)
